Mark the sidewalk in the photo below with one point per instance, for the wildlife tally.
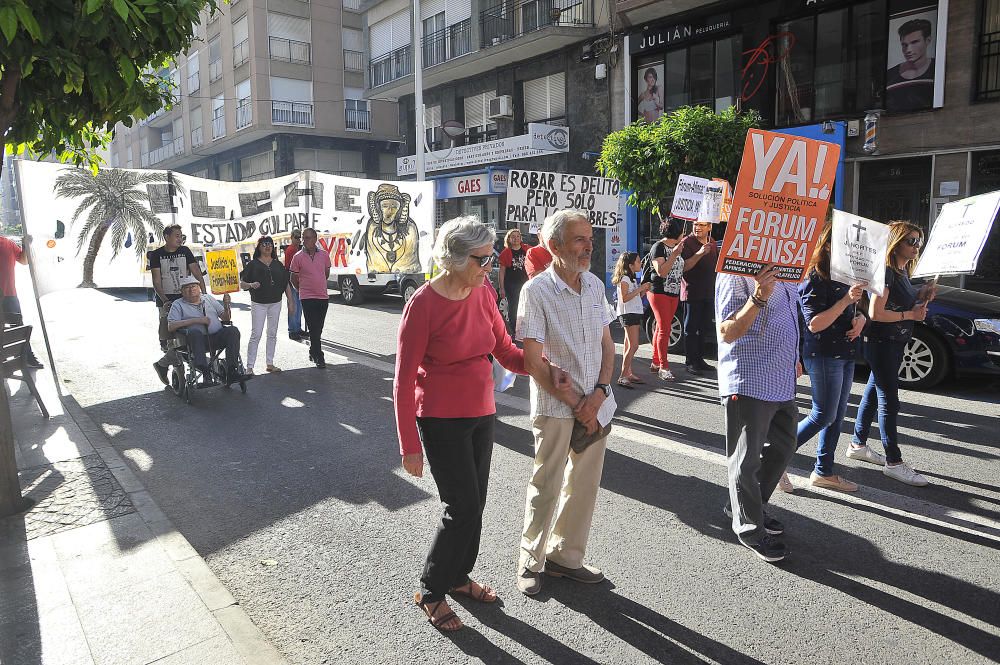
(95, 573)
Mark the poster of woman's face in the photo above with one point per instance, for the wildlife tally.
(649, 97)
(909, 81)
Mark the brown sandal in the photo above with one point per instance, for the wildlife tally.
(484, 595)
(430, 608)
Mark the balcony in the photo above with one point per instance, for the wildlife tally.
(451, 42)
(241, 53)
(218, 123)
(164, 152)
(354, 61)
(214, 70)
(197, 137)
(244, 113)
(391, 66)
(194, 82)
(292, 113)
(505, 21)
(289, 50)
(358, 120)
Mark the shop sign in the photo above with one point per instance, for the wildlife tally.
(661, 38)
(498, 181)
(541, 139)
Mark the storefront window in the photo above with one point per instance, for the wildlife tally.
(986, 178)
(834, 64)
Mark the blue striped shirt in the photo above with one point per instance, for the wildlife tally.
(761, 364)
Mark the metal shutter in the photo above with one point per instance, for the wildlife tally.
(432, 116)
(288, 27)
(401, 29)
(218, 102)
(193, 64)
(545, 97)
(243, 90)
(475, 109)
(456, 11)
(241, 31)
(431, 8)
(380, 36)
(557, 95)
(353, 39)
(215, 50)
(290, 90)
(196, 118)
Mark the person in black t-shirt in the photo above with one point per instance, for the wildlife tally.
(512, 273)
(168, 265)
(266, 280)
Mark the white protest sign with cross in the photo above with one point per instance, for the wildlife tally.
(858, 248)
(958, 236)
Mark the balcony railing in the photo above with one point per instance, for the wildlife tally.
(354, 61)
(218, 124)
(508, 20)
(214, 70)
(165, 151)
(194, 82)
(196, 137)
(358, 120)
(244, 113)
(391, 66)
(241, 53)
(292, 113)
(289, 50)
(448, 43)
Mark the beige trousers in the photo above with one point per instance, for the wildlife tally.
(562, 492)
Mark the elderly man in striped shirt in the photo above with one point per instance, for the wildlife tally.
(758, 328)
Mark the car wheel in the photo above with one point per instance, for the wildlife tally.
(925, 360)
(649, 326)
(408, 289)
(350, 291)
(677, 333)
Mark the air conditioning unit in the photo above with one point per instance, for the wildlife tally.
(501, 107)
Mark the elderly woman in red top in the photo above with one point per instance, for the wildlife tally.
(443, 395)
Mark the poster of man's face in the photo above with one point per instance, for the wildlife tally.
(909, 82)
(649, 92)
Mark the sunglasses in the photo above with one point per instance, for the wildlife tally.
(483, 261)
(914, 242)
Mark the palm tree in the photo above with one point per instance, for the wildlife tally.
(118, 201)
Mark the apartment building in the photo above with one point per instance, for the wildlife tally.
(499, 69)
(826, 68)
(268, 88)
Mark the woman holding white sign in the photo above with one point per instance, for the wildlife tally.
(664, 295)
(830, 344)
(892, 315)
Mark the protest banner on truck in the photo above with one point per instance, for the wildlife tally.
(534, 195)
(782, 194)
(858, 248)
(223, 271)
(958, 236)
(101, 226)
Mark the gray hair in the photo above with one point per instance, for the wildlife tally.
(554, 228)
(457, 238)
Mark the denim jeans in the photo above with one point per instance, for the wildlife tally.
(884, 356)
(831, 386)
(295, 320)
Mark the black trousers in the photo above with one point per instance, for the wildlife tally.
(697, 324)
(459, 452)
(314, 311)
(228, 338)
(512, 288)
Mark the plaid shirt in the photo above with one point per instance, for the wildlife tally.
(570, 326)
(761, 364)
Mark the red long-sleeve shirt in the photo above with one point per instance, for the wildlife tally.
(442, 368)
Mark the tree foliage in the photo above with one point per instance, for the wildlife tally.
(647, 158)
(71, 69)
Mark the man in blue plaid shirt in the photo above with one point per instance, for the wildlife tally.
(758, 328)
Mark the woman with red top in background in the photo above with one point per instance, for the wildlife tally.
(443, 395)
(512, 273)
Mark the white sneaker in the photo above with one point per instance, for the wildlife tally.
(666, 375)
(865, 454)
(904, 474)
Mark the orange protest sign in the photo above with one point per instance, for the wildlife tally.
(778, 210)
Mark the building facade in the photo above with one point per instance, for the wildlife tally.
(269, 87)
(908, 87)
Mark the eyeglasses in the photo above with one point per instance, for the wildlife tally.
(483, 261)
(914, 242)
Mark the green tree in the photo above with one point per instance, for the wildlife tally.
(71, 69)
(647, 158)
(117, 201)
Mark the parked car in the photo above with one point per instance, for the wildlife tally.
(960, 337)
(354, 288)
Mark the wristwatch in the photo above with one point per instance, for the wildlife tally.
(606, 387)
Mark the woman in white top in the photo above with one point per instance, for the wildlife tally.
(629, 310)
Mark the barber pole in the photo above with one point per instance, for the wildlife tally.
(871, 133)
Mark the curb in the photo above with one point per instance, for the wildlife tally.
(246, 637)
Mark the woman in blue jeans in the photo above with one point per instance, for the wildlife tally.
(892, 316)
(830, 346)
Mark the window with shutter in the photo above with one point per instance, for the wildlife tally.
(477, 122)
(400, 29)
(284, 26)
(353, 40)
(194, 73)
(457, 10)
(545, 98)
(432, 127)
(257, 167)
(430, 8)
(380, 35)
(215, 49)
(291, 90)
(241, 30)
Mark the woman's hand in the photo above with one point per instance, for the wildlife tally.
(919, 313)
(854, 294)
(857, 325)
(254, 285)
(644, 288)
(414, 464)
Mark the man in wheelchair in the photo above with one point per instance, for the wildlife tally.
(199, 317)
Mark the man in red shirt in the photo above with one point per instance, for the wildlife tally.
(294, 320)
(10, 252)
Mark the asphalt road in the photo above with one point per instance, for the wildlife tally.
(294, 495)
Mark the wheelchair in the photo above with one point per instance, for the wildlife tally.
(183, 377)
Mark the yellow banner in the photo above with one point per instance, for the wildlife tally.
(223, 271)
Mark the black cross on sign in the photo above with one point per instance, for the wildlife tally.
(859, 226)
